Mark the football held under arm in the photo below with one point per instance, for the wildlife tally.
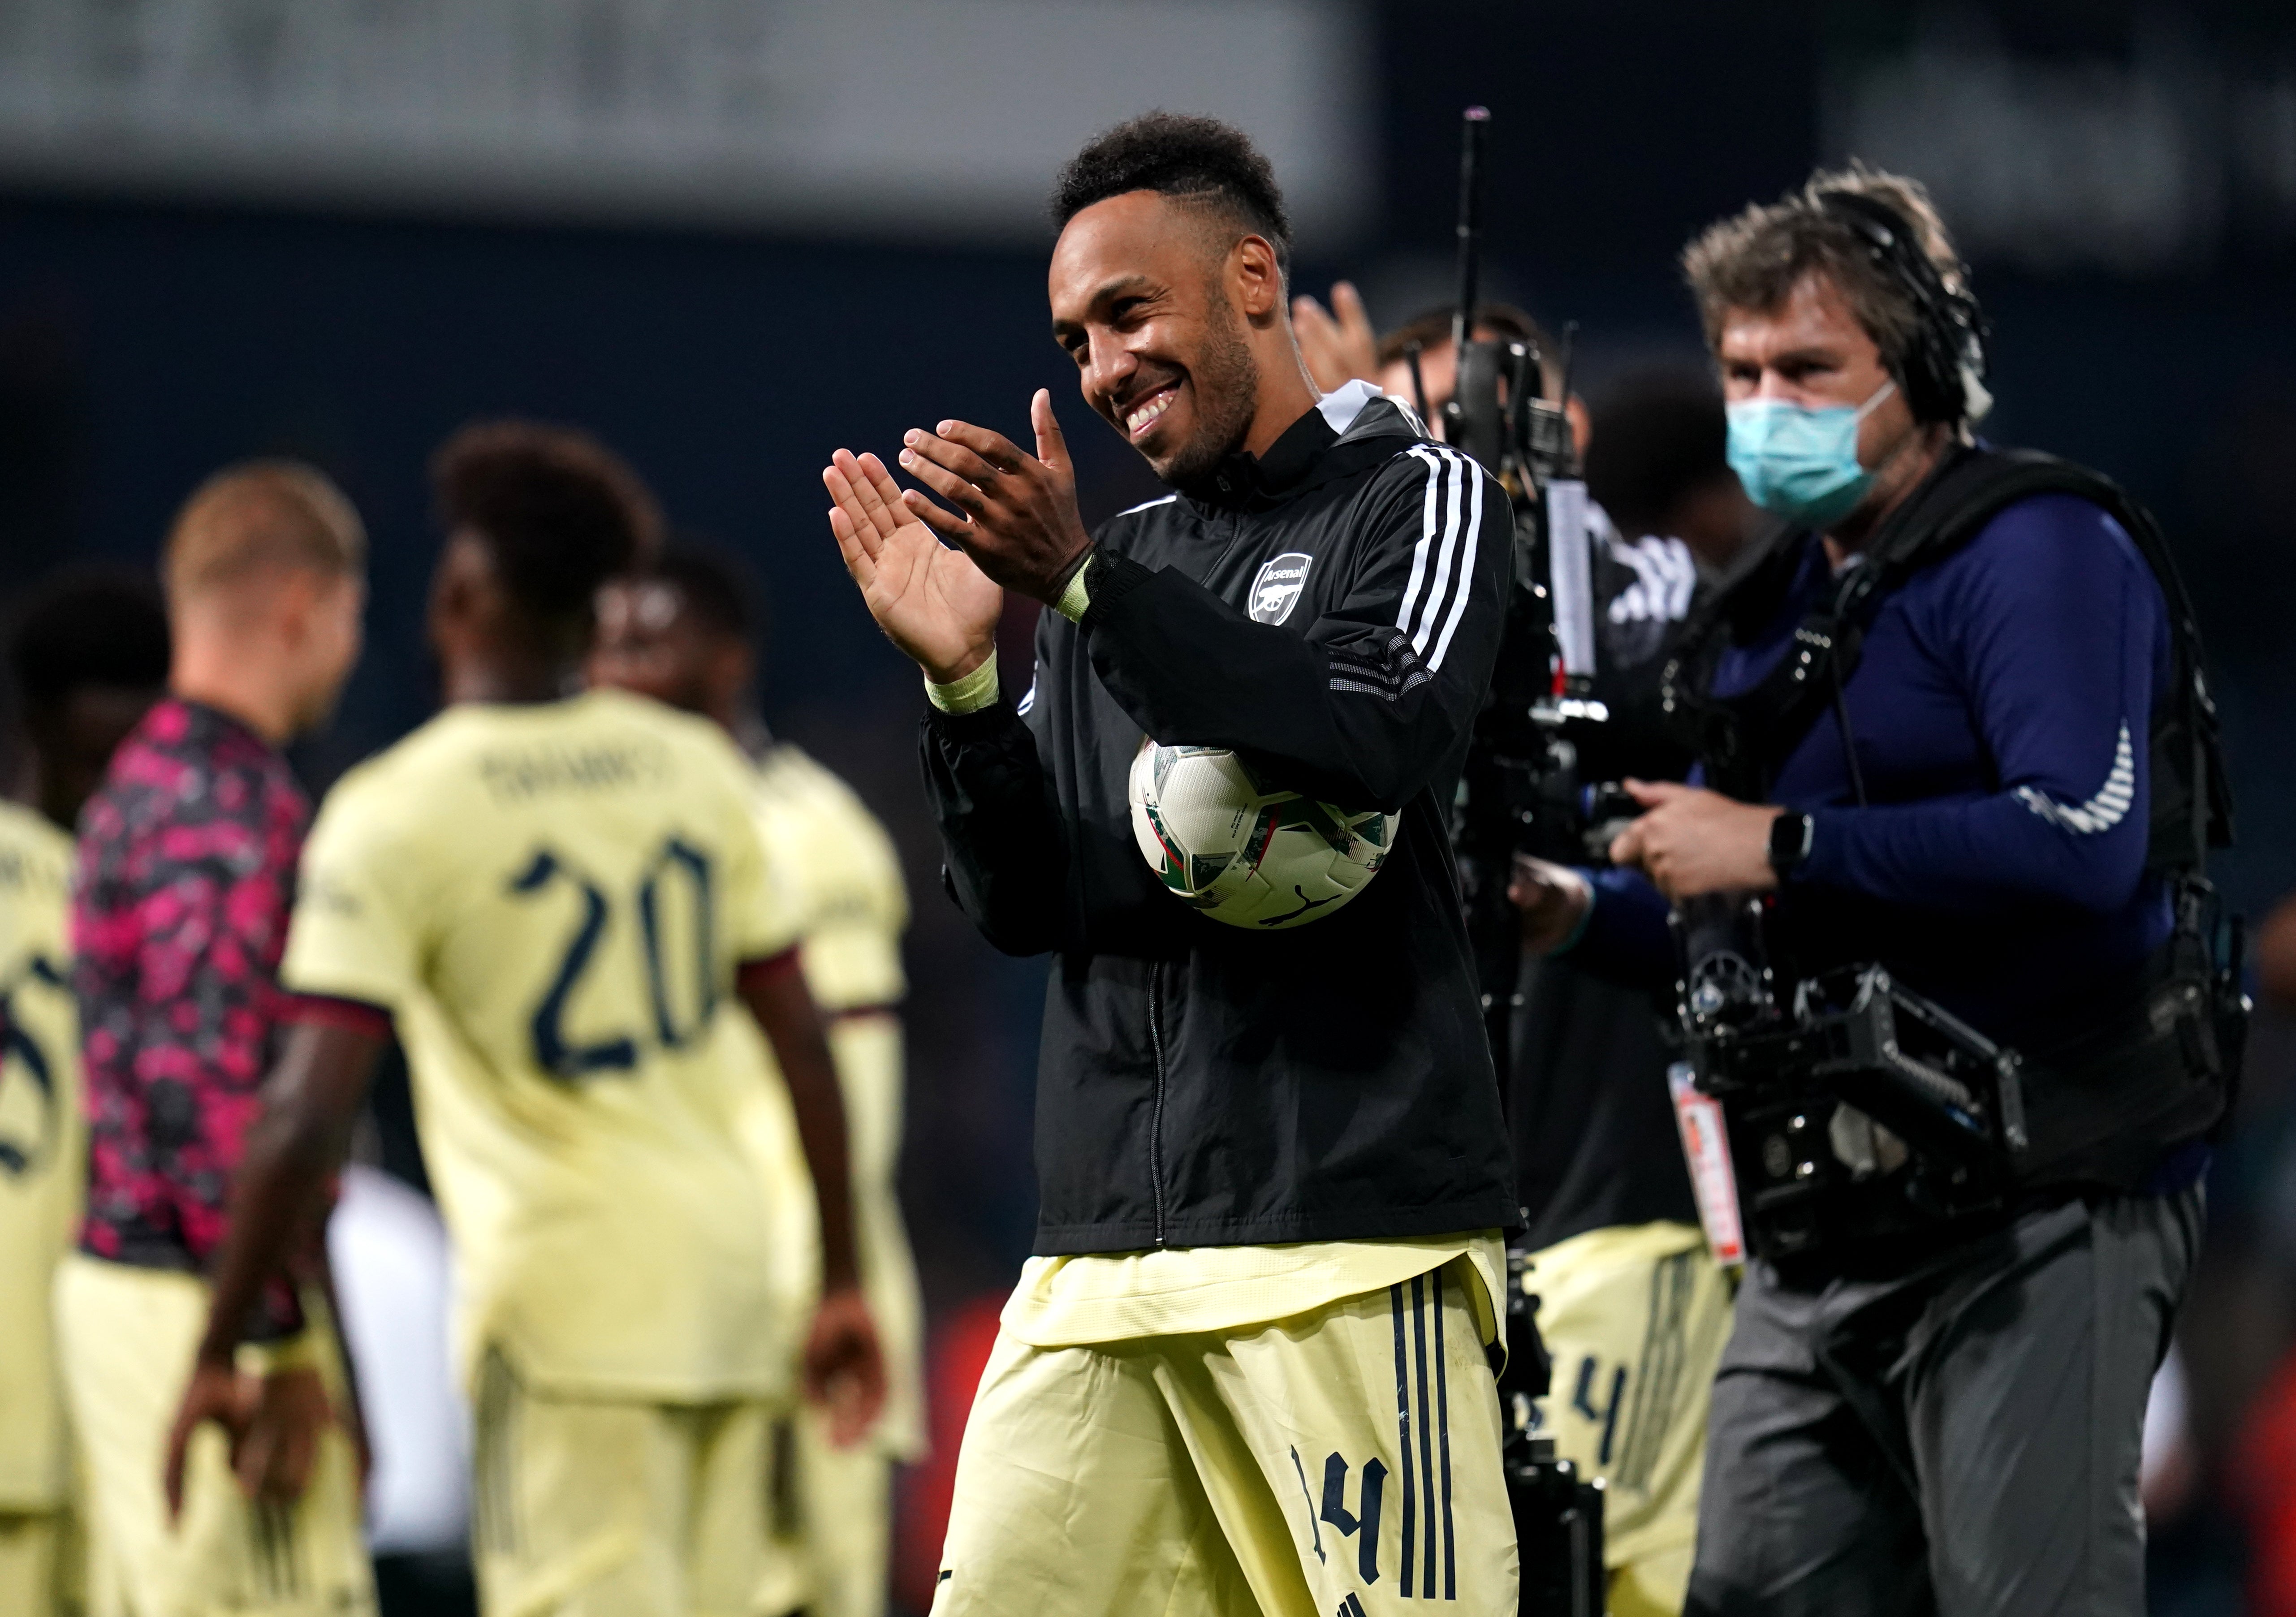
(1365, 706)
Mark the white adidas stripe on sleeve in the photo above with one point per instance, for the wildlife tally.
(1466, 572)
(1427, 521)
(1436, 556)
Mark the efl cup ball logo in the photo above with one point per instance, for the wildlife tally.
(1277, 590)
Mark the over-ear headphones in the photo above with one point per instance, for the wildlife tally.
(1943, 372)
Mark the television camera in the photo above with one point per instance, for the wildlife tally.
(1520, 791)
(1855, 1105)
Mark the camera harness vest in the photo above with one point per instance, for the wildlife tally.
(2099, 1112)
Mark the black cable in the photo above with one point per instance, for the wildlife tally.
(1849, 738)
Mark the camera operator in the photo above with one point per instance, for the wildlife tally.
(2004, 799)
(1246, 1370)
(1414, 361)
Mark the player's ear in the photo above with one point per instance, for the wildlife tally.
(294, 604)
(457, 588)
(1256, 280)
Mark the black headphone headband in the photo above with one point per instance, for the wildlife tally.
(1949, 329)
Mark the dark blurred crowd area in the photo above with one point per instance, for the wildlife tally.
(143, 344)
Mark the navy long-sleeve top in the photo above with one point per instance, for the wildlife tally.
(1999, 718)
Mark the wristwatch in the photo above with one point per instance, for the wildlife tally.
(1790, 835)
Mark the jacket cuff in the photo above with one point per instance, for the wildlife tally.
(964, 729)
(1076, 594)
(1111, 579)
(1626, 937)
(1585, 916)
(1827, 862)
(969, 694)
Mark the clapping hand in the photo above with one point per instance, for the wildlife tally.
(932, 602)
(1015, 513)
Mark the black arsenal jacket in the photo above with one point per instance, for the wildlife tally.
(1331, 612)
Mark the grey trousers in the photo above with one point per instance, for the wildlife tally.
(1960, 1438)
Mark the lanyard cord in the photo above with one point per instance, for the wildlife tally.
(1849, 738)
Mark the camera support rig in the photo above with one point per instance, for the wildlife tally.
(1856, 1104)
(1518, 792)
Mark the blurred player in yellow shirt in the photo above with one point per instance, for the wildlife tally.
(89, 655)
(556, 899)
(683, 632)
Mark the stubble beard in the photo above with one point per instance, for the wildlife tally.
(1226, 379)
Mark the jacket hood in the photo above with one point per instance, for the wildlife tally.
(1359, 411)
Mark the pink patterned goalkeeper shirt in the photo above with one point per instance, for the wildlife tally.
(186, 876)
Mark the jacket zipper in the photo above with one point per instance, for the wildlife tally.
(1156, 1114)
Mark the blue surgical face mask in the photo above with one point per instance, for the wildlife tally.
(1798, 462)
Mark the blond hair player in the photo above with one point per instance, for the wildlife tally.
(186, 868)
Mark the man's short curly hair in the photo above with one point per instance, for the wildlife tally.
(1200, 162)
(558, 511)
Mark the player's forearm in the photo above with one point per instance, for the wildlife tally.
(793, 1025)
(1993, 855)
(277, 1190)
(1000, 832)
(295, 1145)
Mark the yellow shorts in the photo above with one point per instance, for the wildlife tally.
(128, 1336)
(595, 1507)
(832, 1511)
(33, 1569)
(1636, 1316)
(1343, 1462)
